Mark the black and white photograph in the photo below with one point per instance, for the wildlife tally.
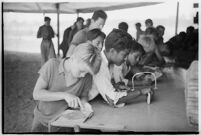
(83, 66)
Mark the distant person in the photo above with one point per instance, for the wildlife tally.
(69, 33)
(161, 30)
(160, 41)
(189, 30)
(139, 30)
(97, 22)
(148, 23)
(47, 48)
(123, 26)
(153, 55)
(88, 21)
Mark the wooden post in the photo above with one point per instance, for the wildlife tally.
(58, 26)
(77, 13)
(177, 18)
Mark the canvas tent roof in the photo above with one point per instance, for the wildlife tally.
(69, 7)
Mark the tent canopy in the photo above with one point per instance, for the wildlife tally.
(70, 7)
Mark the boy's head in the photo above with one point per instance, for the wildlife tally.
(47, 20)
(87, 23)
(189, 30)
(138, 25)
(161, 30)
(85, 59)
(79, 23)
(123, 26)
(148, 23)
(148, 43)
(96, 37)
(152, 31)
(98, 19)
(117, 45)
(135, 54)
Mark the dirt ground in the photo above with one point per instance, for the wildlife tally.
(20, 75)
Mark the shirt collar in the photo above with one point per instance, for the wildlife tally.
(61, 66)
(104, 58)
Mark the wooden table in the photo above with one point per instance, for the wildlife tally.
(165, 113)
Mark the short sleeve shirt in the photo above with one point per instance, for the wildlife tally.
(46, 32)
(52, 73)
(80, 37)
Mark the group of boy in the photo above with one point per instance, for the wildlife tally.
(117, 52)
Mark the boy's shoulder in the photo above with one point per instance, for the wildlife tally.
(82, 32)
(53, 62)
(80, 37)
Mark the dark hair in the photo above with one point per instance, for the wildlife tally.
(182, 34)
(46, 19)
(190, 29)
(160, 26)
(118, 39)
(79, 19)
(94, 33)
(88, 21)
(99, 13)
(136, 47)
(138, 24)
(123, 26)
(151, 30)
(148, 21)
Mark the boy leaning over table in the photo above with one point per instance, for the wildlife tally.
(117, 45)
(63, 84)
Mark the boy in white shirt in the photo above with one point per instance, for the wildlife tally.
(117, 45)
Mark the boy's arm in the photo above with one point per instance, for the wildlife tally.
(87, 87)
(78, 38)
(104, 85)
(41, 93)
(39, 35)
(52, 32)
(159, 56)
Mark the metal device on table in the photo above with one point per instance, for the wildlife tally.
(155, 87)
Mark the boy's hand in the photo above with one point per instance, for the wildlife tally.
(73, 101)
(121, 86)
(145, 91)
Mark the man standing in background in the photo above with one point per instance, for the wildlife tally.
(69, 33)
(97, 22)
(47, 48)
(148, 23)
(139, 30)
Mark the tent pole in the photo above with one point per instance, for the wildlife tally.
(58, 27)
(177, 16)
(77, 13)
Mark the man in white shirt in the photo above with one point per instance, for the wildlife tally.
(117, 46)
